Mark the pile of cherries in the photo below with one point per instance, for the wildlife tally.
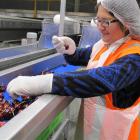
(9, 109)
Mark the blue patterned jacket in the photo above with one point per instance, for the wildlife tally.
(122, 78)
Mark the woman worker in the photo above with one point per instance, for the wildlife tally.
(112, 74)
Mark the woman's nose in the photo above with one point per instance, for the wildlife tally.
(100, 27)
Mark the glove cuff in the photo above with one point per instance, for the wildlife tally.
(46, 83)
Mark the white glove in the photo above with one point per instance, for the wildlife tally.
(64, 45)
(30, 85)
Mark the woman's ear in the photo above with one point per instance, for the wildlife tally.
(126, 30)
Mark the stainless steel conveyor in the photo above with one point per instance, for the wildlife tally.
(12, 56)
(12, 28)
(29, 123)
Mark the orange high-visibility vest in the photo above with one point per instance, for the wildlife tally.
(129, 47)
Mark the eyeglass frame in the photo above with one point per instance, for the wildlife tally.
(104, 22)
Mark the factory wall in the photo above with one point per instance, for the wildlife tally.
(48, 5)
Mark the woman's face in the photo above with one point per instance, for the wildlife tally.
(112, 32)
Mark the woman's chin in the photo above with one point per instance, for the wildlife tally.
(106, 40)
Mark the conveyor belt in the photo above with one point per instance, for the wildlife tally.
(17, 50)
(19, 55)
(29, 123)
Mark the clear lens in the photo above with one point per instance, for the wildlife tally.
(104, 22)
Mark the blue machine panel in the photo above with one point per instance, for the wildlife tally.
(19, 50)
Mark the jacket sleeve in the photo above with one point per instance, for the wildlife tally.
(80, 57)
(99, 81)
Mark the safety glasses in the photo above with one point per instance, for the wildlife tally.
(104, 22)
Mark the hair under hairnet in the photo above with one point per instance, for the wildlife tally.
(127, 12)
